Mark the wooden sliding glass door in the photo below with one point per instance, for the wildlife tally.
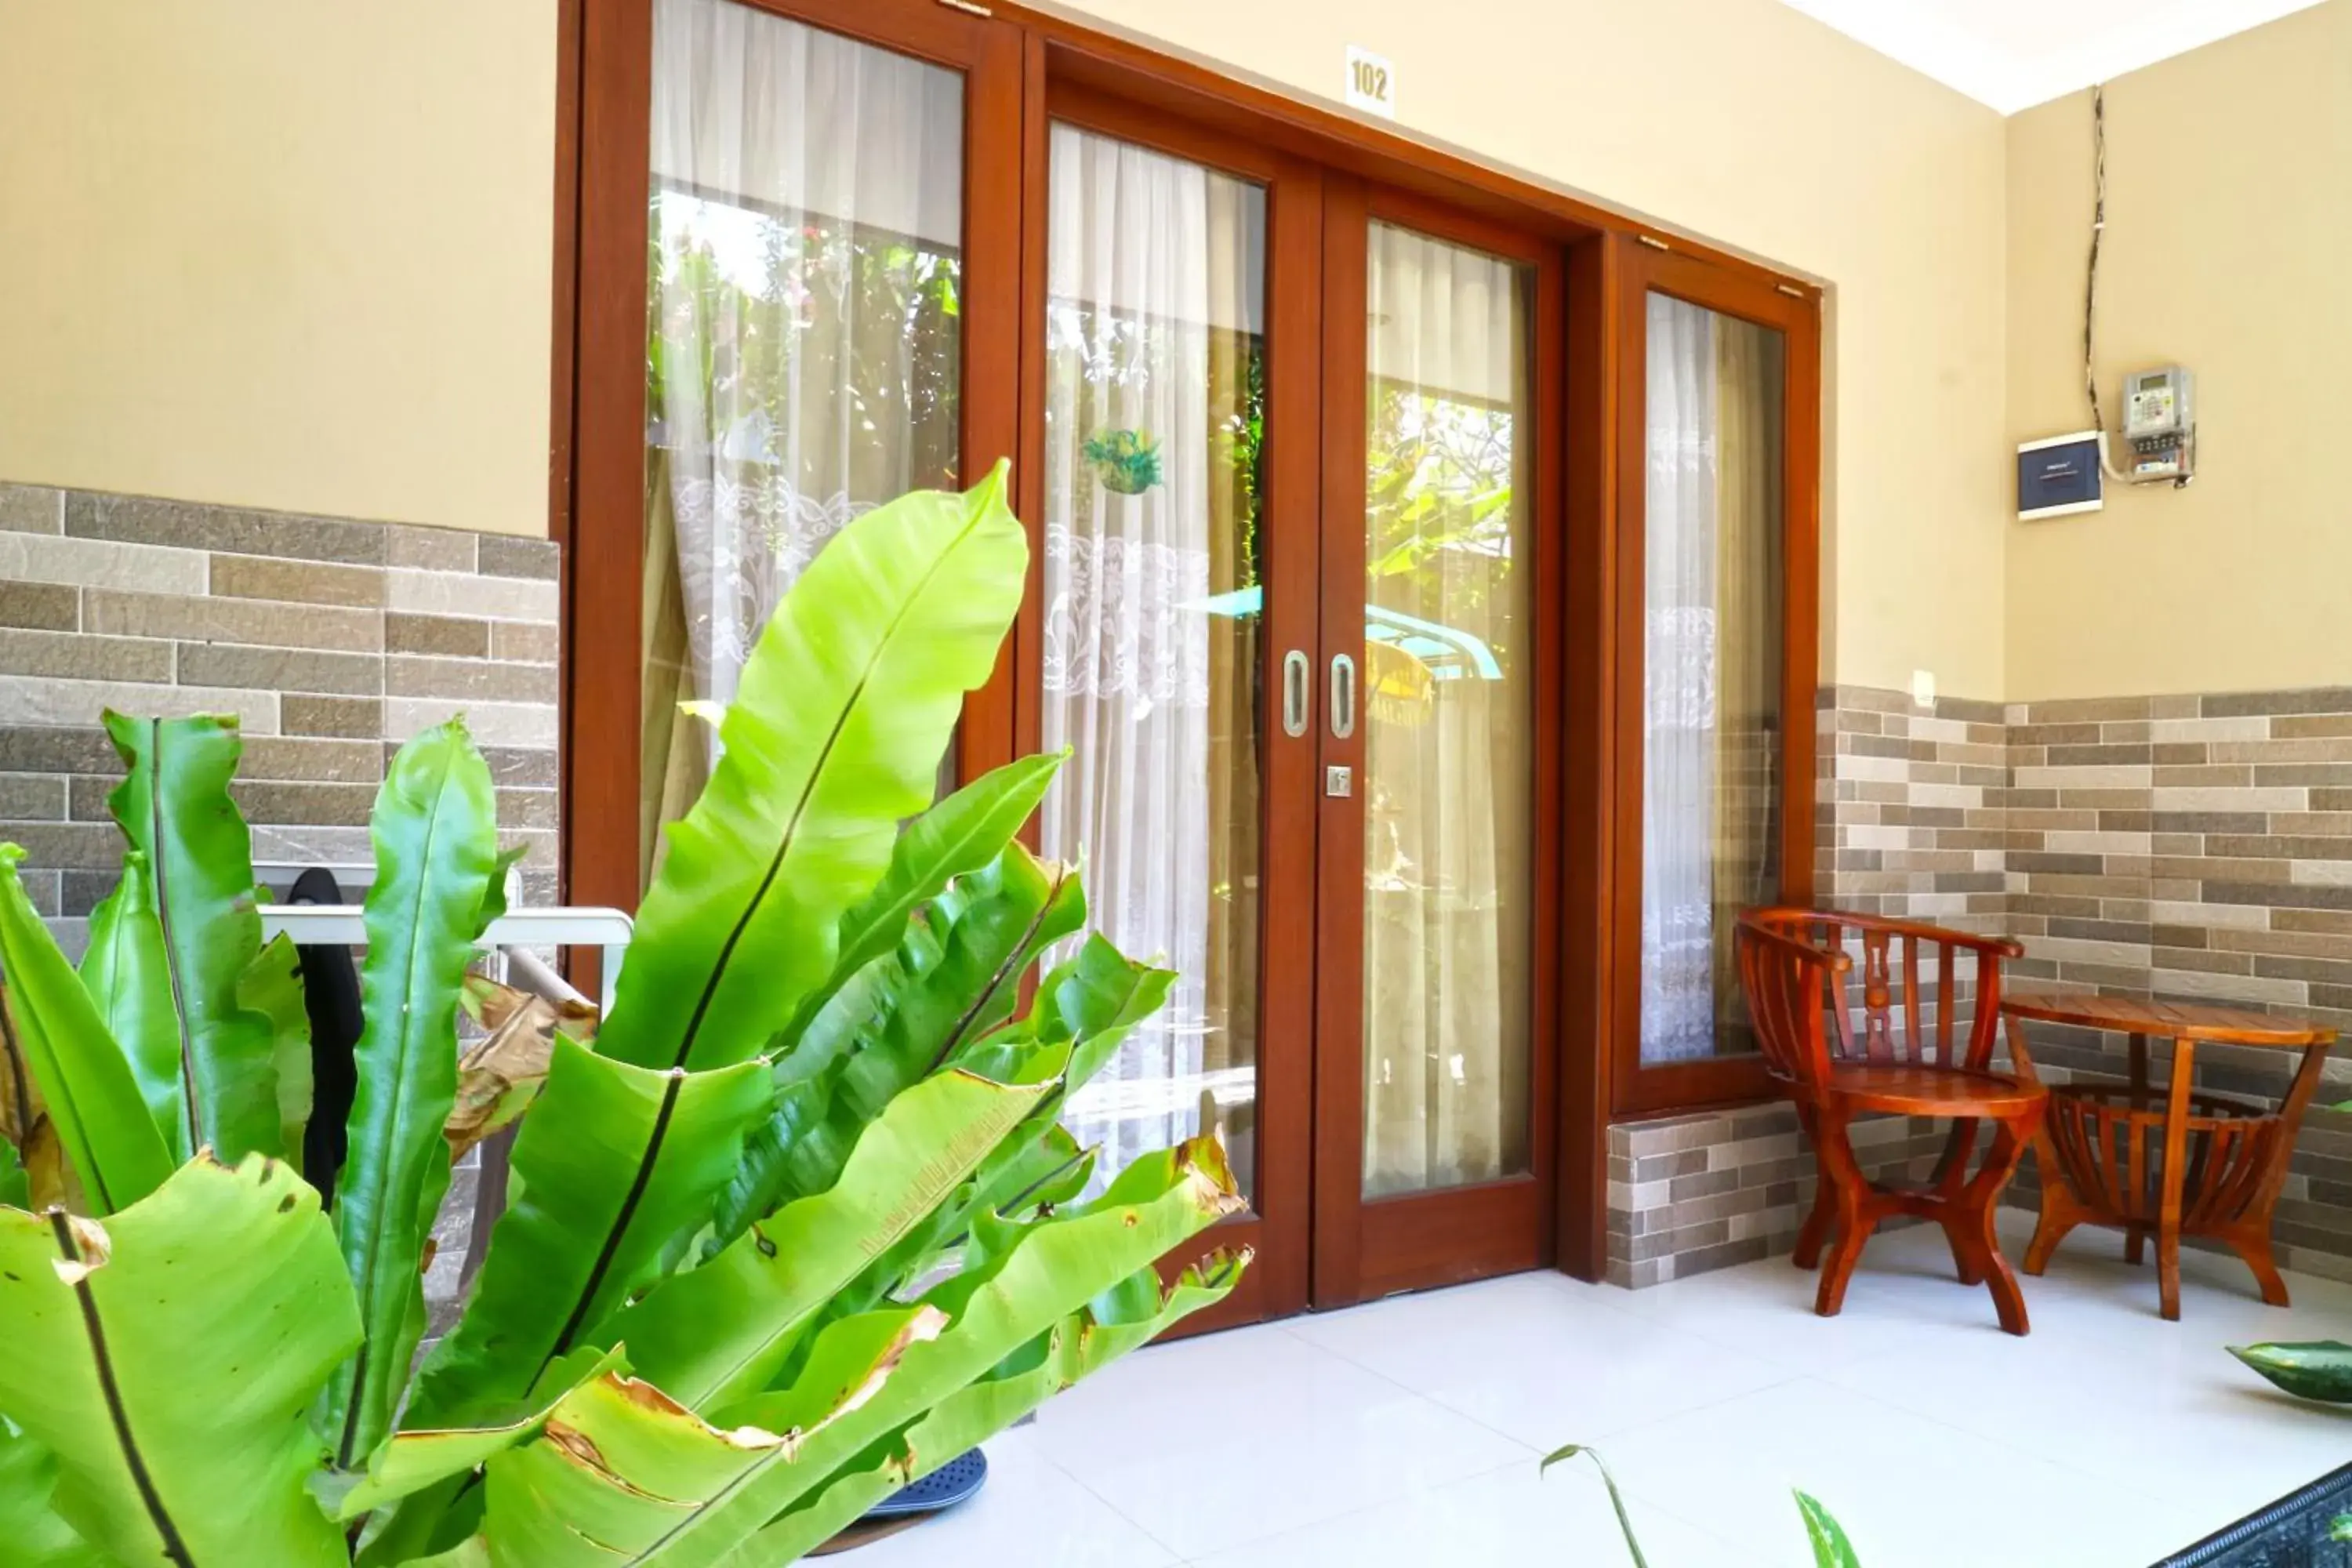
(1434, 1034)
(1169, 478)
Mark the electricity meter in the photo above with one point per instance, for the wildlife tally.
(2161, 424)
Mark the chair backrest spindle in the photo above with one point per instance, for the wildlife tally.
(1794, 964)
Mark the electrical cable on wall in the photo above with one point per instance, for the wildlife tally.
(2091, 283)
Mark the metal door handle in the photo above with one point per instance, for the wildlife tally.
(1343, 697)
(1295, 677)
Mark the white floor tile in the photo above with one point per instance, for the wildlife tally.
(1406, 1432)
(1538, 1357)
(1508, 1517)
(1029, 1513)
(1910, 1491)
(1210, 1443)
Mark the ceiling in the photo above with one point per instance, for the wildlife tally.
(2013, 54)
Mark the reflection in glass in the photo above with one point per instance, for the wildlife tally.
(803, 352)
(1153, 578)
(1711, 790)
(1446, 758)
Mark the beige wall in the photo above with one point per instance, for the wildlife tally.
(283, 253)
(1743, 121)
(2228, 230)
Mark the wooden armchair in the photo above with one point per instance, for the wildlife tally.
(1898, 1047)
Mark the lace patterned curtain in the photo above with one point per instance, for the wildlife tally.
(804, 356)
(1149, 628)
(1712, 639)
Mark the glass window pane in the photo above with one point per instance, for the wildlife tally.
(1712, 793)
(804, 356)
(1154, 589)
(1447, 759)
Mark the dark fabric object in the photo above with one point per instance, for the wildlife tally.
(331, 994)
(2292, 1533)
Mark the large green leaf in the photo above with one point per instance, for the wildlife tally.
(1085, 1007)
(14, 1188)
(174, 806)
(436, 854)
(273, 988)
(961, 834)
(623, 1477)
(832, 740)
(31, 1533)
(721, 1332)
(1132, 1314)
(2311, 1368)
(613, 1162)
(53, 1027)
(408, 1462)
(128, 975)
(900, 1017)
(169, 1356)
(1825, 1535)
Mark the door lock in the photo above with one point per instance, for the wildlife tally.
(1339, 783)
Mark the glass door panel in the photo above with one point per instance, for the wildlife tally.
(1713, 553)
(806, 350)
(1446, 715)
(1153, 614)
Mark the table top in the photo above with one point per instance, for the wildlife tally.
(2166, 1020)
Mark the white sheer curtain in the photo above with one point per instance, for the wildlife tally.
(1151, 259)
(1447, 727)
(1679, 658)
(805, 226)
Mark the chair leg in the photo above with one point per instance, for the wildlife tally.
(1843, 1173)
(1972, 1219)
(2135, 1245)
(1950, 1181)
(1815, 1232)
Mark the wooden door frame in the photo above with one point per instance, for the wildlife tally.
(1646, 266)
(1371, 1247)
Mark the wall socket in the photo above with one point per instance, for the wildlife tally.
(1923, 688)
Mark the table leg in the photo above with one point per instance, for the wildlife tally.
(2135, 1237)
(2250, 1237)
(2176, 1177)
(2059, 1211)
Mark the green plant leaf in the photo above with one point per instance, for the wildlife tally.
(897, 1019)
(1831, 1548)
(963, 832)
(2312, 1369)
(128, 975)
(721, 1332)
(173, 806)
(408, 1462)
(31, 1533)
(1106, 1329)
(14, 1190)
(612, 1163)
(1624, 1522)
(833, 739)
(169, 1357)
(53, 1027)
(273, 988)
(624, 1476)
(435, 832)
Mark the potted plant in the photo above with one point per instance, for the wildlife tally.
(799, 1225)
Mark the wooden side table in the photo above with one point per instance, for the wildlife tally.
(2168, 1164)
